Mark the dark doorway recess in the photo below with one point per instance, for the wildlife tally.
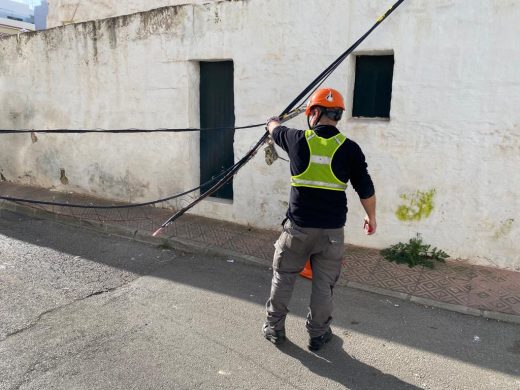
(217, 109)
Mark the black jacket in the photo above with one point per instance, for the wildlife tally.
(319, 208)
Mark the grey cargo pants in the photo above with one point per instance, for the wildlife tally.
(324, 247)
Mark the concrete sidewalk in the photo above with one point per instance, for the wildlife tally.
(475, 290)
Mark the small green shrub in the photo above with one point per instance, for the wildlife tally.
(413, 253)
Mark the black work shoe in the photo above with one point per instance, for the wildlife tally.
(315, 343)
(276, 337)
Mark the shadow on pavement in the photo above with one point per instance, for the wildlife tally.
(334, 363)
(437, 331)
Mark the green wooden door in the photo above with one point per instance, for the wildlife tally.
(217, 109)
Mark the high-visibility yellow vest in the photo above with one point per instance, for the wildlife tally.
(319, 172)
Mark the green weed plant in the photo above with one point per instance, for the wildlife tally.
(414, 252)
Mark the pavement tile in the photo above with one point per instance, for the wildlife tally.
(446, 283)
(358, 266)
(242, 243)
(396, 277)
(498, 290)
(264, 251)
(220, 237)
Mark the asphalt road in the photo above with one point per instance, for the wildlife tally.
(82, 310)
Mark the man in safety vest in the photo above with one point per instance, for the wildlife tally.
(322, 162)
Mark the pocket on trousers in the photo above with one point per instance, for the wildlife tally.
(290, 248)
(336, 244)
(294, 240)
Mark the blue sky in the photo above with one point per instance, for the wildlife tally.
(31, 3)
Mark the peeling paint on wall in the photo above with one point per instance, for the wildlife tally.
(26, 178)
(63, 177)
(417, 206)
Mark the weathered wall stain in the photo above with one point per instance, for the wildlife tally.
(63, 177)
(417, 206)
(68, 10)
(504, 229)
(111, 25)
(48, 164)
(127, 186)
(26, 178)
(14, 116)
(509, 140)
(162, 20)
(94, 38)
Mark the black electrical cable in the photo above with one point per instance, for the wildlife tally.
(310, 88)
(217, 186)
(125, 131)
(318, 81)
(127, 206)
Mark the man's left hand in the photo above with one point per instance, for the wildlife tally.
(370, 226)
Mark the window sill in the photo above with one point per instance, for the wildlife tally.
(219, 200)
(368, 119)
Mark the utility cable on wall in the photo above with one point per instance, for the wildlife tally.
(124, 131)
(285, 113)
(123, 206)
(225, 176)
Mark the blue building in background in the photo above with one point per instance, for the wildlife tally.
(15, 18)
(13, 10)
(40, 15)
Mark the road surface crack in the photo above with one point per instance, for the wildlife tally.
(54, 309)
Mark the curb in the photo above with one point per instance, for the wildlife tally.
(491, 315)
(180, 244)
(190, 246)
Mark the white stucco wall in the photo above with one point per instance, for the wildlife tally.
(75, 11)
(454, 127)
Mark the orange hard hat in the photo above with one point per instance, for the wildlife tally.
(325, 97)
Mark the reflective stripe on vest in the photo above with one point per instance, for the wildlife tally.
(319, 172)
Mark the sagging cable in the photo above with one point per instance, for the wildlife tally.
(309, 89)
(125, 131)
(125, 206)
(230, 174)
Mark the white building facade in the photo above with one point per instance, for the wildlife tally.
(63, 12)
(445, 162)
(15, 18)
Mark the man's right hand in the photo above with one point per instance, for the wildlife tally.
(272, 123)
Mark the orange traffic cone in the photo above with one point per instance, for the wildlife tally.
(307, 270)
